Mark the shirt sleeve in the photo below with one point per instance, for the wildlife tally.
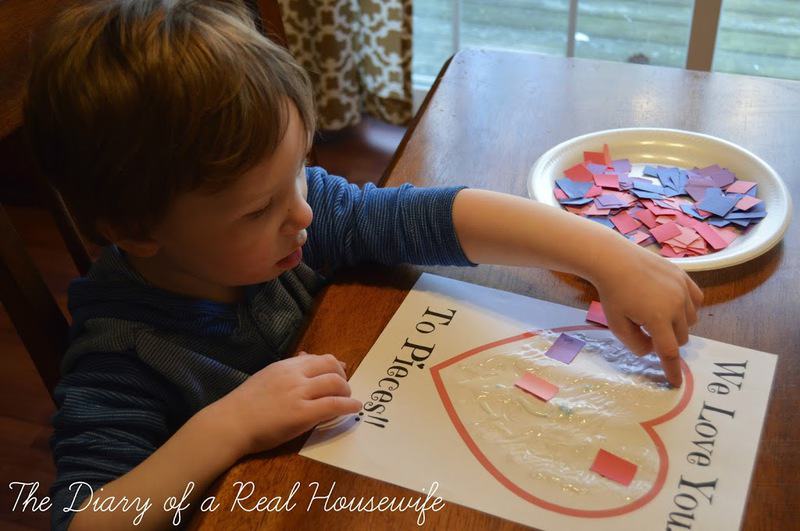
(113, 412)
(404, 224)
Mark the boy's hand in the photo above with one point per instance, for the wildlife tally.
(643, 289)
(286, 399)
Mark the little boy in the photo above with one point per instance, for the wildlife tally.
(177, 134)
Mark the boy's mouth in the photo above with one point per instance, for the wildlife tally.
(292, 260)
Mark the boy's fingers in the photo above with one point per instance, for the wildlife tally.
(328, 407)
(321, 364)
(666, 347)
(630, 334)
(681, 329)
(328, 384)
(694, 292)
(691, 313)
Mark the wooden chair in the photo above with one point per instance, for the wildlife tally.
(41, 325)
(39, 321)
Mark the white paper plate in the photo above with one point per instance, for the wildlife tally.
(672, 147)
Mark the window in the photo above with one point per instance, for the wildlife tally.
(758, 37)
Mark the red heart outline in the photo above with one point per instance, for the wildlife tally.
(513, 487)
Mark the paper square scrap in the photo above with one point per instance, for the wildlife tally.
(565, 348)
(614, 468)
(747, 202)
(625, 223)
(740, 187)
(537, 386)
(665, 232)
(596, 314)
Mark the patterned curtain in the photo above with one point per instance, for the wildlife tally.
(358, 53)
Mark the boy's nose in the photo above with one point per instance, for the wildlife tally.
(300, 216)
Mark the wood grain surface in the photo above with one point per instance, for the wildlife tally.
(491, 116)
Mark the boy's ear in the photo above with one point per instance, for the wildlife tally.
(142, 247)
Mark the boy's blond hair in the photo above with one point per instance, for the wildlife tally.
(132, 102)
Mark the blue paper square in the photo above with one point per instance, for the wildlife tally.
(719, 205)
(573, 189)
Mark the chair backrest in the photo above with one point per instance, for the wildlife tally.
(270, 20)
(37, 317)
(33, 310)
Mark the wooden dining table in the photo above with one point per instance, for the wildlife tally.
(488, 117)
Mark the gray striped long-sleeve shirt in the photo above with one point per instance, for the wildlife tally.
(143, 360)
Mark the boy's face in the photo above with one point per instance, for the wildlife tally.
(251, 232)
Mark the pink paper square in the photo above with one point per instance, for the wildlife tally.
(559, 194)
(594, 191)
(728, 234)
(665, 232)
(579, 173)
(646, 217)
(607, 180)
(747, 202)
(594, 157)
(606, 155)
(686, 237)
(698, 245)
(594, 211)
(670, 252)
(683, 219)
(671, 203)
(613, 467)
(638, 237)
(710, 235)
(537, 386)
(625, 197)
(740, 187)
(625, 223)
(596, 314)
(655, 209)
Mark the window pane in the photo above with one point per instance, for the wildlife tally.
(759, 37)
(524, 25)
(651, 32)
(433, 38)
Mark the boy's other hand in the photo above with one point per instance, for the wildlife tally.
(643, 290)
(286, 399)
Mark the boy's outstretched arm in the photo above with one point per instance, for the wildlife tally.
(636, 287)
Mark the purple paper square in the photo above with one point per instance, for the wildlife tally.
(708, 170)
(565, 348)
(608, 201)
(700, 181)
(621, 166)
(597, 169)
(698, 193)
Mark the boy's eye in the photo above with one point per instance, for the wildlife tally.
(258, 213)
